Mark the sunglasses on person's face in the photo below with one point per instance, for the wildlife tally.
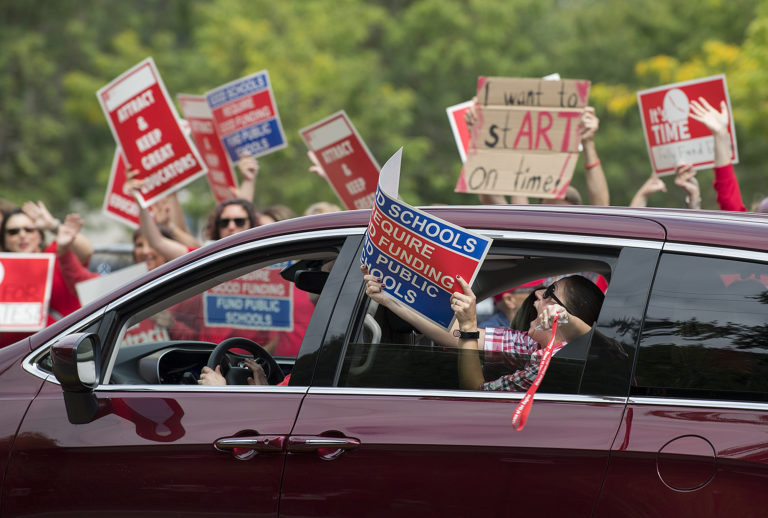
(549, 293)
(239, 222)
(14, 231)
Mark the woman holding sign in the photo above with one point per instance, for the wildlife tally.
(575, 300)
(19, 234)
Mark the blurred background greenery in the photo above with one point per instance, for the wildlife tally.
(393, 65)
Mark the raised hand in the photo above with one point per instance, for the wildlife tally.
(40, 216)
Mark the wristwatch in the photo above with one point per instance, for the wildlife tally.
(467, 335)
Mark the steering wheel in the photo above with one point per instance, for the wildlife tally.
(236, 375)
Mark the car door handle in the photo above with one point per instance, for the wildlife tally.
(258, 443)
(300, 444)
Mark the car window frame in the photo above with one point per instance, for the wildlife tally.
(331, 354)
(112, 317)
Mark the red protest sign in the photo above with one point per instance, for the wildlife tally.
(672, 137)
(145, 124)
(456, 116)
(118, 204)
(351, 168)
(25, 290)
(221, 177)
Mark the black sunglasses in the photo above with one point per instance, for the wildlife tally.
(549, 293)
(224, 222)
(14, 231)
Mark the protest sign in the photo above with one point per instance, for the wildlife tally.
(672, 137)
(25, 290)
(92, 289)
(417, 255)
(526, 137)
(117, 204)
(351, 168)
(259, 300)
(456, 117)
(221, 177)
(246, 118)
(144, 123)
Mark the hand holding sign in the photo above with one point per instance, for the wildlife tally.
(464, 305)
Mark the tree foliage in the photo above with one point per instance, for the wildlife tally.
(394, 66)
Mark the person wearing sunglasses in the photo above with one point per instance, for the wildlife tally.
(19, 234)
(575, 300)
(230, 217)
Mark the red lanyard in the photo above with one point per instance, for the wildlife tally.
(520, 416)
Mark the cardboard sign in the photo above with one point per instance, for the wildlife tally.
(246, 118)
(672, 137)
(145, 125)
(526, 138)
(221, 176)
(25, 290)
(259, 300)
(417, 255)
(351, 168)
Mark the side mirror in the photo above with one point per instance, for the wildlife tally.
(77, 366)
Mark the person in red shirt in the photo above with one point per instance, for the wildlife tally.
(18, 234)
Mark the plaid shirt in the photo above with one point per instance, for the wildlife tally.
(518, 351)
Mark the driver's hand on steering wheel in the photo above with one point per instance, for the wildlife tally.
(209, 376)
(259, 376)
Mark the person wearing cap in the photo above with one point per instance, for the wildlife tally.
(508, 302)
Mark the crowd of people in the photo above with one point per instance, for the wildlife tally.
(164, 235)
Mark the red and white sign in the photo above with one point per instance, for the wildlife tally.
(145, 125)
(25, 290)
(118, 204)
(221, 177)
(456, 116)
(672, 136)
(351, 168)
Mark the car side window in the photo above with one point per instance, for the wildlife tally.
(270, 304)
(705, 331)
(387, 351)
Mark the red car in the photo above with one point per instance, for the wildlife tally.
(661, 410)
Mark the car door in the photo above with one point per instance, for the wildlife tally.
(160, 449)
(385, 429)
(693, 439)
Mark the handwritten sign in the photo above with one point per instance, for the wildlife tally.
(259, 300)
(418, 255)
(144, 123)
(526, 137)
(221, 177)
(351, 168)
(246, 118)
(672, 137)
(25, 290)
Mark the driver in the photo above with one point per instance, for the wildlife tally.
(210, 376)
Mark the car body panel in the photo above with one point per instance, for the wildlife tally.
(149, 453)
(449, 455)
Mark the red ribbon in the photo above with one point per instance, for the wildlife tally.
(520, 416)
